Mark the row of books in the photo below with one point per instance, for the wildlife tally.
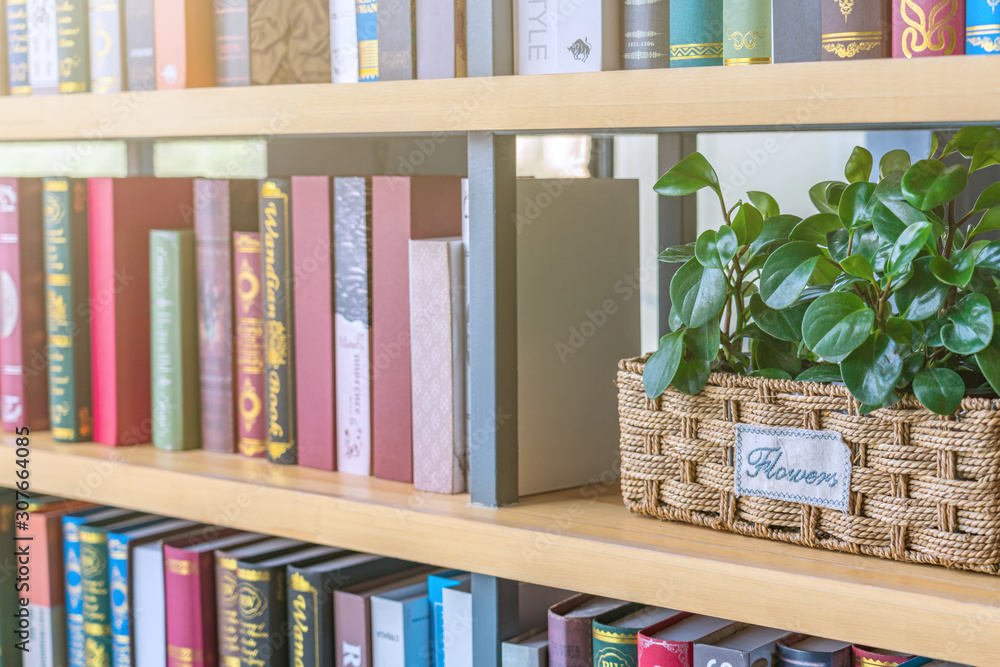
(107, 587)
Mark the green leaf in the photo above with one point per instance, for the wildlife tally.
(957, 271)
(893, 161)
(986, 153)
(698, 293)
(784, 324)
(747, 223)
(907, 247)
(911, 364)
(989, 257)
(988, 360)
(989, 198)
(867, 244)
(678, 254)
(966, 139)
(866, 409)
(929, 184)
(835, 324)
(662, 365)
(872, 370)
(990, 222)
(704, 340)
(970, 325)
(765, 203)
(858, 266)
(934, 145)
(673, 319)
(820, 373)
(891, 219)
(836, 243)
(692, 376)
(815, 228)
(774, 230)
(786, 273)
(689, 175)
(900, 330)
(769, 352)
(923, 294)
(771, 374)
(715, 249)
(939, 389)
(825, 195)
(856, 203)
(859, 165)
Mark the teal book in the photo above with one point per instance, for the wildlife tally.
(10, 656)
(696, 33)
(67, 296)
(616, 633)
(982, 27)
(747, 30)
(173, 313)
(74, 46)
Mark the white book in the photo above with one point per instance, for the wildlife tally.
(529, 649)
(553, 36)
(456, 607)
(149, 606)
(343, 41)
(536, 36)
(43, 47)
(401, 627)
(48, 637)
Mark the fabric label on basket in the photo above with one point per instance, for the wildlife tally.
(794, 464)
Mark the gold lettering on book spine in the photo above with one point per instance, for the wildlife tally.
(181, 567)
(846, 6)
(746, 40)
(930, 30)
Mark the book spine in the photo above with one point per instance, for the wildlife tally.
(789, 657)
(659, 653)
(343, 41)
(351, 615)
(149, 620)
(309, 44)
(232, 42)
(352, 275)
(536, 22)
(252, 422)
(118, 580)
(279, 332)
(461, 46)
(309, 612)
(74, 46)
(797, 30)
(106, 56)
(457, 615)
(74, 590)
(96, 597)
(104, 359)
(312, 254)
(9, 656)
(24, 383)
(262, 613)
(588, 39)
(436, 25)
(191, 623)
(184, 43)
(982, 28)
(227, 615)
(416, 631)
(67, 284)
(140, 47)
(368, 60)
(46, 592)
(174, 340)
(857, 30)
(646, 43)
(43, 47)
(213, 240)
(17, 47)
(925, 28)
(696, 33)
(388, 642)
(570, 642)
(747, 38)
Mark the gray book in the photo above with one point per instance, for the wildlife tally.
(441, 39)
(796, 30)
(140, 53)
(528, 649)
(752, 647)
(396, 57)
(106, 58)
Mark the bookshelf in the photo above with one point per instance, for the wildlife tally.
(581, 539)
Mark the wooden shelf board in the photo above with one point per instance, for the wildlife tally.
(925, 91)
(580, 539)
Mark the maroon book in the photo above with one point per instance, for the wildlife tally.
(122, 213)
(312, 257)
(571, 642)
(922, 28)
(403, 208)
(215, 219)
(252, 424)
(24, 386)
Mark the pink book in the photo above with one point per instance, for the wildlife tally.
(312, 259)
(403, 208)
(922, 28)
(670, 643)
(122, 213)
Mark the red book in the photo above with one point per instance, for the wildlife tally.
(403, 208)
(24, 384)
(312, 257)
(670, 643)
(922, 28)
(862, 656)
(122, 213)
(252, 425)
(220, 207)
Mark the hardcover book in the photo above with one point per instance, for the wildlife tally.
(696, 33)
(250, 394)
(17, 47)
(923, 28)
(456, 614)
(616, 632)
(312, 252)
(9, 656)
(343, 41)
(43, 47)
(403, 208)
(140, 45)
(570, 634)
(367, 27)
(647, 33)
(441, 35)
(232, 42)
(184, 36)
(747, 34)
(122, 213)
(74, 46)
(856, 30)
(436, 583)
(107, 61)
(67, 294)
(528, 649)
(279, 319)
(797, 28)
(289, 42)
(24, 394)
(352, 231)
(548, 40)
(752, 647)
(982, 28)
(396, 44)
(670, 643)
(401, 627)
(4, 71)
(438, 347)
(813, 651)
(220, 207)
(189, 584)
(863, 656)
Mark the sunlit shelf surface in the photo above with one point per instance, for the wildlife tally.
(926, 91)
(581, 539)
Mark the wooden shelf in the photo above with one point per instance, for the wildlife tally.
(581, 539)
(926, 91)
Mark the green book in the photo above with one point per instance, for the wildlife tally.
(616, 633)
(10, 656)
(746, 32)
(67, 295)
(173, 312)
(73, 31)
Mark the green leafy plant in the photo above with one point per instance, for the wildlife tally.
(885, 288)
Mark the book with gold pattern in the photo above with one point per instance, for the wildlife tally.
(864, 656)
(17, 47)
(982, 26)
(926, 28)
(647, 31)
(856, 29)
(616, 632)
(251, 418)
(107, 62)
(696, 33)
(74, 46)
(747, 33)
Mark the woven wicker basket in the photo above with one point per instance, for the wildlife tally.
(924, 488)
